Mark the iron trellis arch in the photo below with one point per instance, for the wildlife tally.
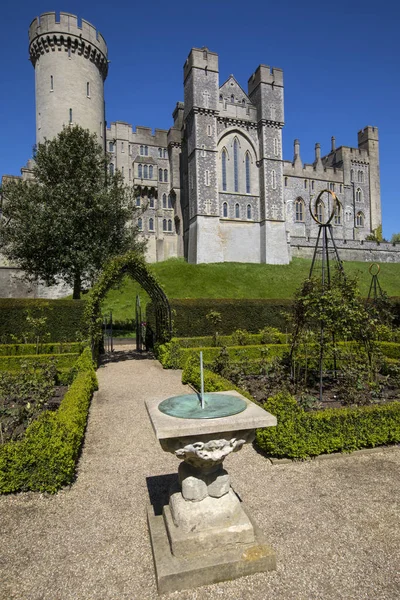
(132, 264)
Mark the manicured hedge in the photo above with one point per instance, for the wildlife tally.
(224, 340)
(23, 349)
(14, 363)
(212, 381)
(64, 318)
(189, 315)
(301, 434)
(44, 460)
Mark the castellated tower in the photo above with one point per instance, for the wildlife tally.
(70, 61)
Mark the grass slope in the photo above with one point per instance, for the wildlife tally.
(236, 280)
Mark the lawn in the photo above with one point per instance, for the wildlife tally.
(236, 280)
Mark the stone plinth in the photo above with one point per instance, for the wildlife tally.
(204, 534)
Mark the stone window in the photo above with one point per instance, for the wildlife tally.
(286, 181)
(160, 153)
(151, 224)
(236, 165)
(169, 201)
(122, 171)
(337, 219)
(140, 171)
(70, 115)
(111, 169)
(273, 179)
(165, 153)
(352, 175)
(237, 211)
(220, 97)
(276, 147)
(209, 130)
(151, 201)
(299, 210)
(160, 174)
(122, 147)
(348, 216)
(130, 174)
(111, 146)
(247, 160)
(360, 177)
(224, 155)
(225, 209)
(144, 150)
(165, 175)
(206, 177)
(88, 89)
(359, 219)
(320, 211)
(51, 83)
(164, 200)
(164, 224)
(169, 224)
(305, 184)
(203, 150)
(140, 224)
(151, 172)
(249, 211)
(145, 171)
(332, 187)
(232, 98)
(358, 195)
(138, 200)
(312, 185)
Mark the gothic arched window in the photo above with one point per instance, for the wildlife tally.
(249, 211)
(360, 219)
(360, 177)
(140, 223)
(320, 211)
(165, 175)
(151, 201)
(352, 175)
(169, 224)
(111, 169)
(169, 201)
(160, 152)
(160, 173)
(237, 211)
(151, 172)
(137, 200)
(145, 171)
(140, 171)
(164, 200)
(224, 156)
(337, 220)
(235, 164)
(225, 209)
(358, 195)
(247, 173)
(299, 209)
(151, 224)
(164, 224)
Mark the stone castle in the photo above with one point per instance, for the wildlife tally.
(215, 186)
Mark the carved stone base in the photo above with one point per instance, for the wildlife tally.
(223, 564)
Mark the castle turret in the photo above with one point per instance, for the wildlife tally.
(368, 139)
(70, 61)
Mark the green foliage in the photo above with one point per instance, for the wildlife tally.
(395, 239)
(241, 337)
(251, 339)
(64, 318)
(23, 349)
(44, 460)
(301, 434)
(214, 317)
(271, 335)
(212, 381)
(16, 363)
(72, 217)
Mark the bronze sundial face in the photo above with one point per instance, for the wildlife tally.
(188, 406)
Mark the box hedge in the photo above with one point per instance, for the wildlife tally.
(24, 349)
(251, 339)
(44, 460)
(15, 363)
(64, 318)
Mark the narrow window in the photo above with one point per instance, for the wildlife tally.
(111, 146)
(249, 211)
(140, 223)
(160, 172)
(164, 224)
(146, 151)
(164, 200)
(169, 201)
(165, 153)
(225, 209)
(169, 224)
(70, 115)
(207, 177)
(338, 216)
(237, 211)
(122, 147)
(151, 224)
(235, 165)
(122, 171)
(151, 201)
(130, 174)
(145, 172)
(160, 152)
(140, 171)
(151, 172)
(209, 130)
(299, 205)
(88, 89)
(129, 149)
(232, 98)
(352, 175)
(224, 169)
(165, 175)
(286, 181)
(51, 83)
(141, 150)
(111, 169)
(137, 200)
(203, 150)
(320, 211)
(247, 173)
(341, 188)
(360, 220)
(273, 179)
(360, 177)
(69, 52)
(358, 195)
(312, 185)
(305, 184)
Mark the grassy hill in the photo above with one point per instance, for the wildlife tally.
(236, 280)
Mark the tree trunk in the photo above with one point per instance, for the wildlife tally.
(77, 286)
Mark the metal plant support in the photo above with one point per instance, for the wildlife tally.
(375, 290)
(326, 248)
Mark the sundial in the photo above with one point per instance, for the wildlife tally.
(202, 406)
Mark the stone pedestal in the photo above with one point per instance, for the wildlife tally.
(205, 534)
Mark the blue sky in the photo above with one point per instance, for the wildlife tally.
(340, 62)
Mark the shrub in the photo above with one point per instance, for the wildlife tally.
(241, 337)
(23, 349)
(212, 381)
(44, 460)
(15, 363)
(301, 434)
(270, 335)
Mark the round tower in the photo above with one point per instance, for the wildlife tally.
(70, 61)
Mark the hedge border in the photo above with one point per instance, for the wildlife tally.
(45, 459)
(53, 348)
(14, 363)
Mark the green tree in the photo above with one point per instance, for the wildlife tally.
(65, 223)
(395, 239)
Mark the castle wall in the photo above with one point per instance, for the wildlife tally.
(362, 250)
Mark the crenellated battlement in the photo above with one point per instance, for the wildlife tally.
(46, 33)
(264, 74)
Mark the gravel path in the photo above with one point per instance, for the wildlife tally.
(334, 523)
